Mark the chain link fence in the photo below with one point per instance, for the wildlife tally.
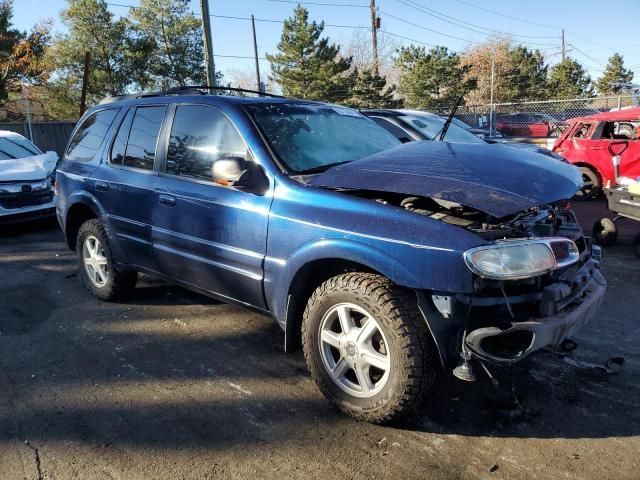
(535, 120)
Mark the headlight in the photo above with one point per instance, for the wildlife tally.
(516, 260)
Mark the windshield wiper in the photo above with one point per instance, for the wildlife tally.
(445, 127)
(321, 168)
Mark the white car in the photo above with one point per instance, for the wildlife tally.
(26, 179)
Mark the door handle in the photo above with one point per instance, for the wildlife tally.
(167, 200)
(102, 186)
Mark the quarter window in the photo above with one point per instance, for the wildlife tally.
(88, 138)
(201, 135)
(143, 137)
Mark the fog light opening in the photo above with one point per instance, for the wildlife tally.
(509, 345)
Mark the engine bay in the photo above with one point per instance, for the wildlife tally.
(544, 221)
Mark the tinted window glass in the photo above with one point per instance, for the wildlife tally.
(88, 138)
(200, 135)
(393, 129)
(120, 142)
(143, 137)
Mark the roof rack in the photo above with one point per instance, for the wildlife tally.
(185, 90)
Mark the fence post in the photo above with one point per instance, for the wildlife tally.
(27, 109)
(619, 102)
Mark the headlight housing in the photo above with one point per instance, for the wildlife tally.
(514, 260)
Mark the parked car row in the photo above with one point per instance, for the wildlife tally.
(387, 258)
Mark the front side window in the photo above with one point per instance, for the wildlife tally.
(89, 136)
(200, 136)
(143, 137)
(582, 131)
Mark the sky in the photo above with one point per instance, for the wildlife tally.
(592, 32)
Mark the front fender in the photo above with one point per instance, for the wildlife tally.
(405, 265)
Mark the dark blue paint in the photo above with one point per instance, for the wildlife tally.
(496, 181)
(247, 248)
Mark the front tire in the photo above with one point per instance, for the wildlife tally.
(367, 347)
(592, 184)
(102, 277)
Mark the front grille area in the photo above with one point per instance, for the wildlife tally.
(560, 250)
(21, 200)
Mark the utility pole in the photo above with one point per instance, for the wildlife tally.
(493, 108)
(375, 25)
(255, 54)
(85, 82)
(563, 48)
(208, 47)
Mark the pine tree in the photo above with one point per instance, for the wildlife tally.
(369, 90)
(526, 78)
(568, 79)
(308, 66)
(614, 74)
(433, 78)
(166, 47)
(21, 53)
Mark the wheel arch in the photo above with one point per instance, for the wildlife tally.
(304, 282)
(77, 214)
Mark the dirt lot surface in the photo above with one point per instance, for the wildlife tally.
(175, 385)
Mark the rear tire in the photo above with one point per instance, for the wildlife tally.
(385, 328)
(102, 277)
(605, 232)
(592, 184)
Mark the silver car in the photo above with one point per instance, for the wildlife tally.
(26, 179)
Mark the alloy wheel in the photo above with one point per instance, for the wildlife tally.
(95, 262)
(354, 350)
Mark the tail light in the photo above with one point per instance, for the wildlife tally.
(55, 187)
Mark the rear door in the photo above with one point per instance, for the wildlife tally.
(125, 185)
(206, 234)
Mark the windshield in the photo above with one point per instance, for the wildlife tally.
(16, 147)
(309, 138)
(431, 126)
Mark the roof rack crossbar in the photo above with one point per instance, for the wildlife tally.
(185, 90)
(222, 89)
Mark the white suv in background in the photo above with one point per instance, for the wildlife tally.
(26, 179)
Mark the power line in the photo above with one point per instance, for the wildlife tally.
(457, 21)
(507, 16)
(428, 29)
(320, 4)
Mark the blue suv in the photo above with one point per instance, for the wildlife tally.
(386, 262)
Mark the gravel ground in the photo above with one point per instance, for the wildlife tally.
(175, 385)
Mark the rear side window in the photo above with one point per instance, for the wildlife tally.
(143, 137)
(89, 136)
(200, 135)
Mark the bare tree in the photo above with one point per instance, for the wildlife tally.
(359, 48)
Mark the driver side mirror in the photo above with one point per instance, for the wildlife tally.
(240, 173)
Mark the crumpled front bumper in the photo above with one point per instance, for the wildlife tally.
(585, 291)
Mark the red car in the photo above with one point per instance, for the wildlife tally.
(591, 142)
(526, 124)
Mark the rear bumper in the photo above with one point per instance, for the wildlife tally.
(513, 344)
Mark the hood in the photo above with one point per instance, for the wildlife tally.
(534, 148)
(498, 181)
(36, 167)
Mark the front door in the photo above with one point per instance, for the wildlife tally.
(207, 234)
